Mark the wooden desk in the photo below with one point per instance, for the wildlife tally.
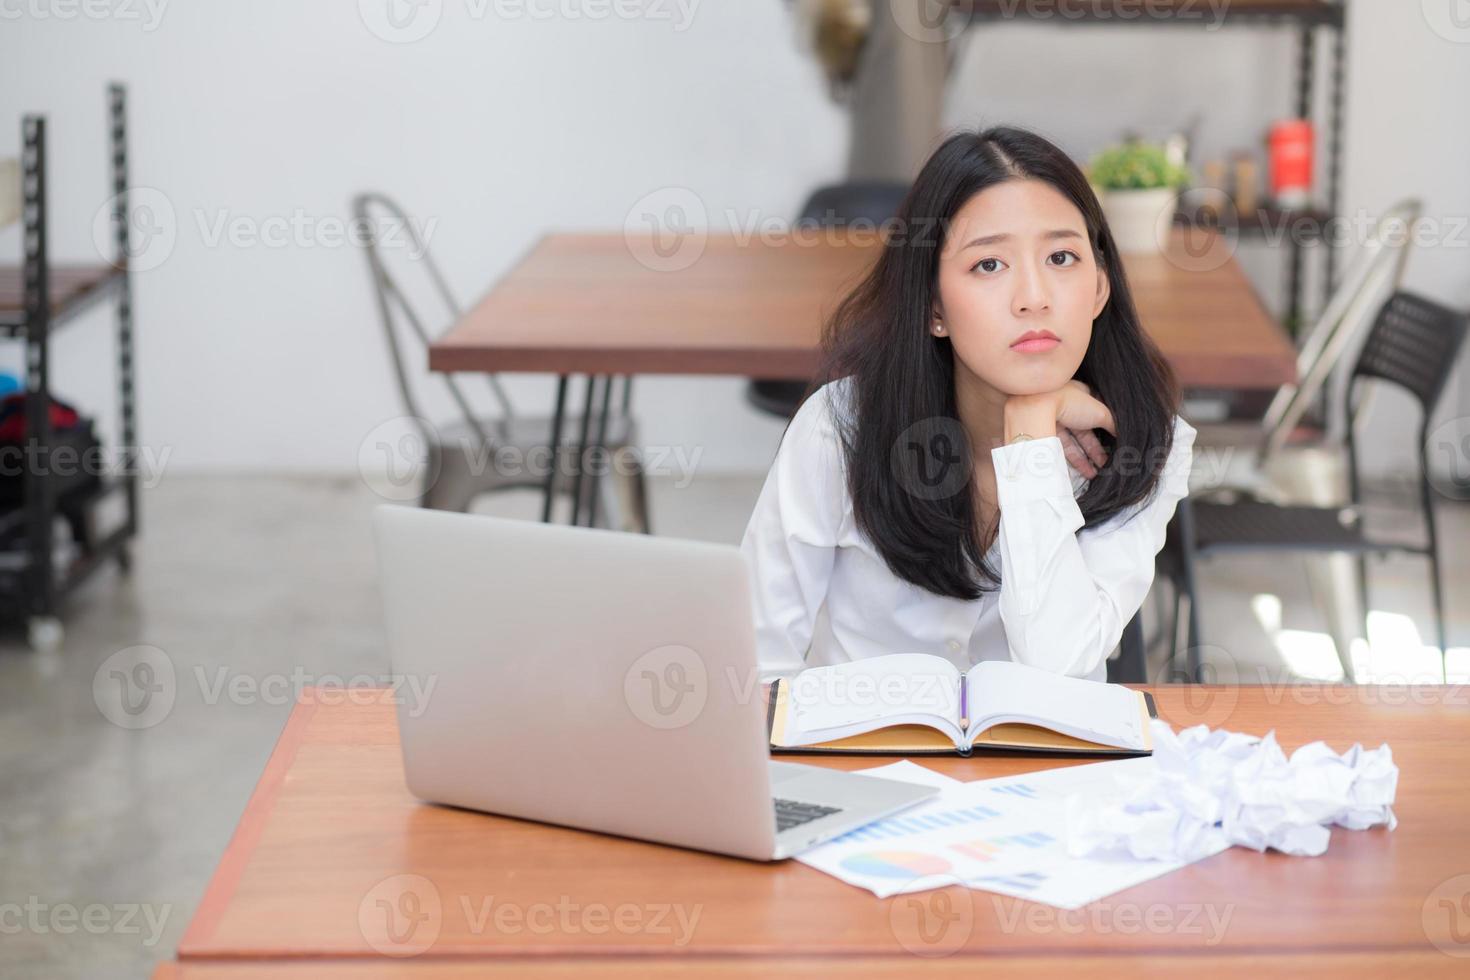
(584, 303)
(331, 830)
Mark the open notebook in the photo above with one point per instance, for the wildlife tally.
(914, 703)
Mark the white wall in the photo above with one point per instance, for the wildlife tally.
(497, 129)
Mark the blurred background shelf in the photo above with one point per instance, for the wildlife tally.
(73, 289)
(60, 521)
(1306, 224)
(1173, 12)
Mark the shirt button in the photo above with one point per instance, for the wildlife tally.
(954, 646)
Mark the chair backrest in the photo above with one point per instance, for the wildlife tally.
(1375, 272)
(1413, 344)
(870, 201)
(372, 212)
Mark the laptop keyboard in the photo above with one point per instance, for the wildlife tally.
(790, 813)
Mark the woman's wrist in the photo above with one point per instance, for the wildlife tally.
(1032, 416)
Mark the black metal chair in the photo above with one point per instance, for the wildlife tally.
(1130, 666)
(834, 206)
(1412, 344)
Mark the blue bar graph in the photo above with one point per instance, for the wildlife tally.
(893, 827)
(1025, 881)
(1016, 789)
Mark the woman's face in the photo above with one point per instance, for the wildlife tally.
(1017, 260)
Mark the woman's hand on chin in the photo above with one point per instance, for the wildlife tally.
(1071, 413)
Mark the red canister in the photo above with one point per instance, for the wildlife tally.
(1291, 163)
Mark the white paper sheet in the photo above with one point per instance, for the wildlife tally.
(911, 772)
(1005, 835)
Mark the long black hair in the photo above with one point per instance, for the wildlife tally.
(902, 376)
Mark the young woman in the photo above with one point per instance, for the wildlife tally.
(990, 475)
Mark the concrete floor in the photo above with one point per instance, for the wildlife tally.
(272, 580)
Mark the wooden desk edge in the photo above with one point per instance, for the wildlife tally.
(252, 822)
(1335, 964)
(795, 364)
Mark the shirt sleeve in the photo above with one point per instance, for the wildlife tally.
(1065, 596)
(790, 544)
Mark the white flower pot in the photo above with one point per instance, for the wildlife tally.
(1140, 219)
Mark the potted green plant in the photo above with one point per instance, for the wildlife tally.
(1138, 186)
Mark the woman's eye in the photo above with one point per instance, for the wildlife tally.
(988, 265)
(1067, 258)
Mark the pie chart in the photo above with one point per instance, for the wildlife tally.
(895, 864)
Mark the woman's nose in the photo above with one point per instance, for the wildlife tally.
(1031, 294)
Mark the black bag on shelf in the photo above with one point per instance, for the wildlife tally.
(73, 460)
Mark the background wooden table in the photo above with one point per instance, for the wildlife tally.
(331, 843)
(607, 304)
(586, 303)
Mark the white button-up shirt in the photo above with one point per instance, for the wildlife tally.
(823, 594)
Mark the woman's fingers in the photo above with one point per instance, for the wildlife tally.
(1076, 455)
(1092, 446)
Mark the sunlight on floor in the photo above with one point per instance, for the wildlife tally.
(1394, 652)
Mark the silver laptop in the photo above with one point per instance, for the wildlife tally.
(599, 680)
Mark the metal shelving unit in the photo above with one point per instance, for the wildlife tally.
(1308, 18)
(36, 300)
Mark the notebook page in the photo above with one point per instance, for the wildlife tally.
(874, 689)
(1108, 713)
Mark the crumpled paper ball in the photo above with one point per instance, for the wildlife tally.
(1209, 789)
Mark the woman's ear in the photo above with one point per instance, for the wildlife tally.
(936, 321)
(1104, 290)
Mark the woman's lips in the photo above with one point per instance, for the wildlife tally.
(1035, 345)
